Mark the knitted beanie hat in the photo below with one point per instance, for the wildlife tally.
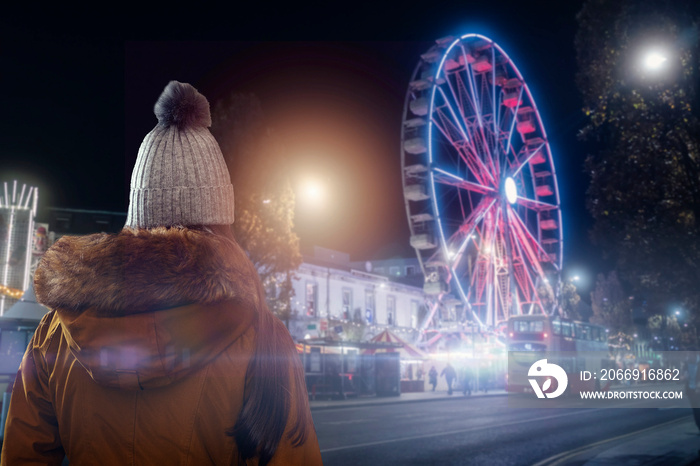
(180, 176)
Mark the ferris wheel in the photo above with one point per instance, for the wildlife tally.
(479, 182)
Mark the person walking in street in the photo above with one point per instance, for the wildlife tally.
(466, 380)
(450, 374)
(432, 377)
(159, 347)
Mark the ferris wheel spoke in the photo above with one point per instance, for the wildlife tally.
(469, 98)
(489, 251)
(481, 144)
(507, 151)
(493, 91)
(476, 105)
(459, 100)
(468, 230)
(463, 126)
(469, 71)
(527, 159)
(488, 94)
(512, 123)
(533, 298)
(496, 106)
(522, 276)
(447, 178)
(455, 118)
(471, 159)
(459, 146)
(470, 162)
(462, 96)
(480, 152)
(537, 206)
(517, 266)
(468, 143)
(532, 244)
(527, 247)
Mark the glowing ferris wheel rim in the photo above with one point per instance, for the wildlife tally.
(480, 188)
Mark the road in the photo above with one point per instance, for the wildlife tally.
(462, 430)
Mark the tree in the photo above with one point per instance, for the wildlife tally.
(644, 193)
(355, 330)
(612, 308)
(568, 300)
(547, 297)
(264, 199)
(666, 331)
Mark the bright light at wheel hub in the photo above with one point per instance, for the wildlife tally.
(510, 190)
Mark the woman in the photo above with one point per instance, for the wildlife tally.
(432, 377)
(159, 347)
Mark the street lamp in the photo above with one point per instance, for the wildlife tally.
(313, 191)
(654, 60)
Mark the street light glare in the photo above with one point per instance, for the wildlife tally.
(314, 191)
(654, 60)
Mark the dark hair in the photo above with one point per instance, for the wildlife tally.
(273, 377)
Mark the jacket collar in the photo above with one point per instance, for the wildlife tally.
(140, 270)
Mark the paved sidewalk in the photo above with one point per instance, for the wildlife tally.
(676, 443)
(671, 443)
(403, 398)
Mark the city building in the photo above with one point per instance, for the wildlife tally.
(340, 299)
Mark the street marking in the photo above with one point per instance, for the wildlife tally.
(461, 431)
(350, 421)
(567, 455)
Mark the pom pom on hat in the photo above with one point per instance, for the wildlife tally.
(181, 105)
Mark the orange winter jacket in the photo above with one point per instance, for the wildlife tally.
(143, 358)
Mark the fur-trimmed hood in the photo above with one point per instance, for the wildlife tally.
(143, 308)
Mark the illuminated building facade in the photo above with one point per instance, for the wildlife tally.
(336, 298)
(17, 215)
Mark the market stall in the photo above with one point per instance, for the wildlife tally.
(412, 360)
(342, 368)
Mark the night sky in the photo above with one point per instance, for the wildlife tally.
(78, 96)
